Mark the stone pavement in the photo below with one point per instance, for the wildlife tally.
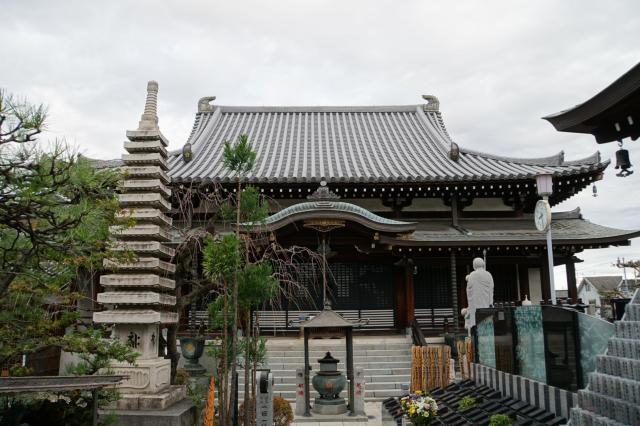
(372, 410)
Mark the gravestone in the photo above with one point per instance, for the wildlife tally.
(358, 403)
(264, 398)
(300, 395)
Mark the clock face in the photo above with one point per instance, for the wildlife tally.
(542, 215)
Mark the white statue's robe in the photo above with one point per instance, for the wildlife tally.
(479, 292)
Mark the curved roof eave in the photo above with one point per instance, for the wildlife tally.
(333, 210)
(614, 92)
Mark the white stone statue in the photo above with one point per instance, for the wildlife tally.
(479, 292)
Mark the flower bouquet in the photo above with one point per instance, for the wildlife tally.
(419, 408)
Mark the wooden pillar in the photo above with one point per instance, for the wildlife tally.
(454, 292)
(409, 294)
(400, 294)
(545, 282)
(572, 289)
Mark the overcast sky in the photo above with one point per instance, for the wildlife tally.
(496, 66)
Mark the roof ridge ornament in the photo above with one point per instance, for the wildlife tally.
(323, 193)
(149, 119)
(432, 105)
(454, 151)
(205, 104)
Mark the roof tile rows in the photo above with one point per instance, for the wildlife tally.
(349, 144)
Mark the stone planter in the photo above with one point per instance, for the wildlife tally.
(192, 348)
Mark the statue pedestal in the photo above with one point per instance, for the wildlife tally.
(329, 406)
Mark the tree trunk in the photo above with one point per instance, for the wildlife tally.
(223, 373)
(247, 371)
(234, 307)
(256, 335)
(5, 280)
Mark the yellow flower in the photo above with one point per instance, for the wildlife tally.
(418, 392)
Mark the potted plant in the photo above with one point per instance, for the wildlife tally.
(419, 408)
(192, 348)
(466, 403)
(500, 420)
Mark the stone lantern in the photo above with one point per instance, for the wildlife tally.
(329, 321)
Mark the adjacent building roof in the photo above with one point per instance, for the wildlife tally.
(396, 144)
(606, 282)
(568, 228)
(610, 115)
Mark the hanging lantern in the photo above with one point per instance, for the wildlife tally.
(595, 190)
(187, 154)
(623, 162)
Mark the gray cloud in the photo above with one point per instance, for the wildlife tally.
(497, 67)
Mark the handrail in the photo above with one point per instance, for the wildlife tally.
(416, 334)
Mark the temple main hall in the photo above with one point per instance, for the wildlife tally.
(397, 205)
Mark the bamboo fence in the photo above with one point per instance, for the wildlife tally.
(429, 367)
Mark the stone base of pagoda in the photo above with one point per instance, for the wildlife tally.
(147, 402)
(182, 413)
(149, 377)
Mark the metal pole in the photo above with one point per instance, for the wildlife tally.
(625, 286)
(352, 383)
(552, 283)
(307, 397)
(324, 271)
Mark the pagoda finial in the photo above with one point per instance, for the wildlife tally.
(149, 119)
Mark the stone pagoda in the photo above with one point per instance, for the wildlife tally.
(138, 293)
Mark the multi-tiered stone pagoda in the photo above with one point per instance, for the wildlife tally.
(138, 294)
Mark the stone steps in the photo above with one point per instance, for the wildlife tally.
(616, 387)
(622, 367)
(369, 372)
(391, 378)
(612, 397)
(341, 365)
(338, 353)
(624, 348)
(632, 313)
(616, 409)
(386, 361)
(628, 329)
(582, 417)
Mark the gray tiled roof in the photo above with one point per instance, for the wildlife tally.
(607, 282)
(350, 144)
(566, 228)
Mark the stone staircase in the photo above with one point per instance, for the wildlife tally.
(613, 394)
(386, 361)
